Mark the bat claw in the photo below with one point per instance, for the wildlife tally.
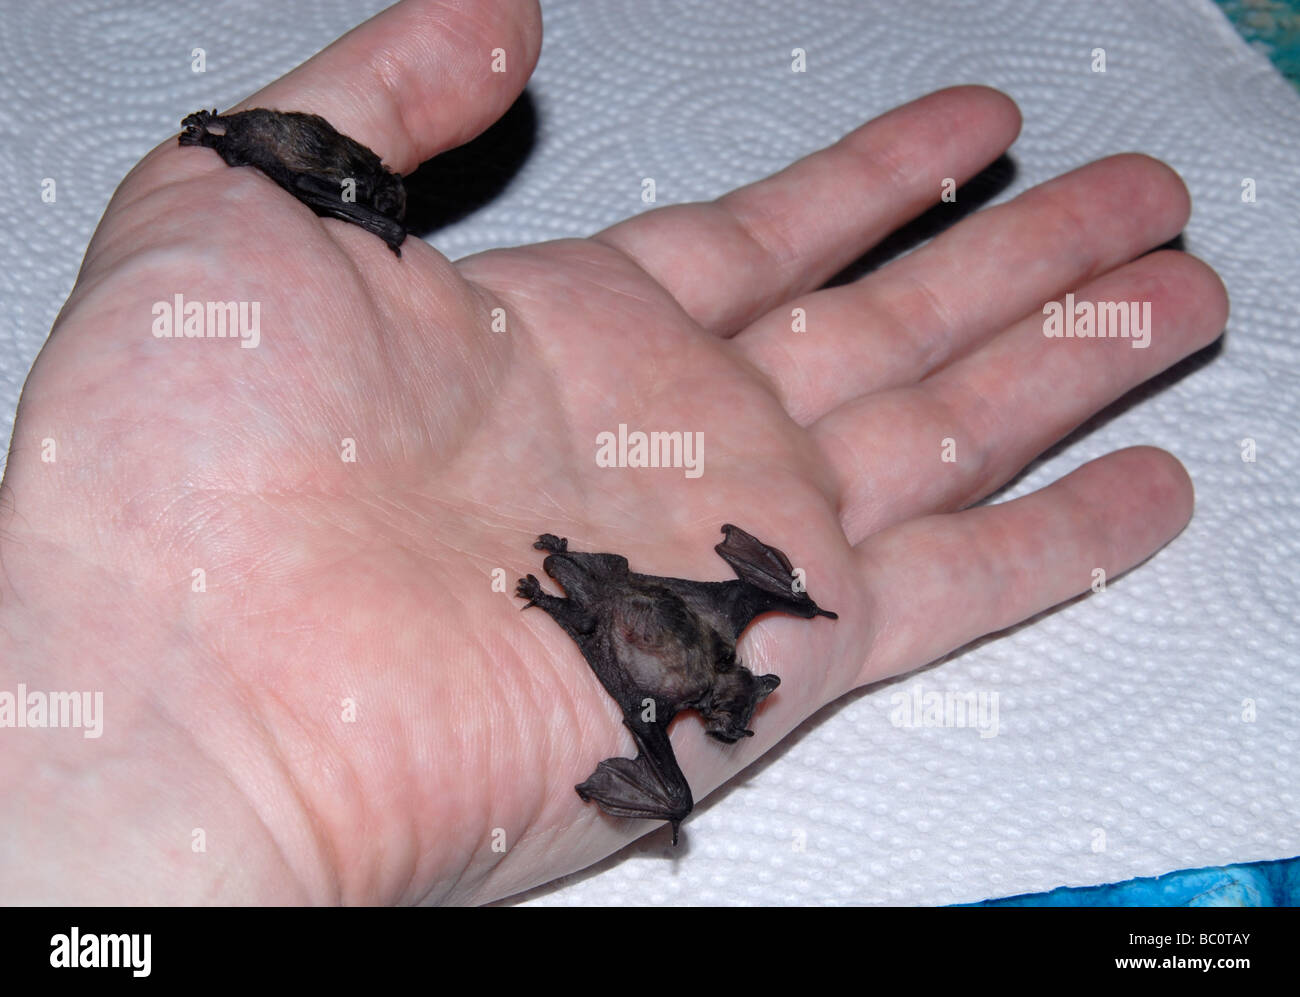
(199, 119)
(528, 588)
(195, 126)
(550, 542)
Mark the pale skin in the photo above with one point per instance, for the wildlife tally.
(369, 582)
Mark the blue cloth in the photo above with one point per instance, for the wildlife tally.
(1270, 25)
(1260, 884)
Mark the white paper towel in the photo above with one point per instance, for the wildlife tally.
(1143, 730)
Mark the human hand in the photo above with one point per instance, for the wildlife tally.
(370, 581)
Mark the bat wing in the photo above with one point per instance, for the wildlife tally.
(755, 562)
(651, 785)
(768, 570)
(325, 198)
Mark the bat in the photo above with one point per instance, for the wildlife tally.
(332, 174)
(663, 645)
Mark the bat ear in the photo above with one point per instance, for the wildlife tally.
(766, 683)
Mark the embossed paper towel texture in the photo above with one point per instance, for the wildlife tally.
(1125, 739)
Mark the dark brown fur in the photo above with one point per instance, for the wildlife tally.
(306, 156)
(662, 645)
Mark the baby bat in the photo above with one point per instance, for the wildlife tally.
(306, 156)
(663, 645)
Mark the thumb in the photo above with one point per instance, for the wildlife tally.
(419, 78)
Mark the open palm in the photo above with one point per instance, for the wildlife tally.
(348, 699)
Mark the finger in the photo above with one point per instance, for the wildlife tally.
(419, 77)
(896, 326)
(730, 260)
(937, 583)
(1006, 403)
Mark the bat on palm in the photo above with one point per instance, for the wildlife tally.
(662, 645)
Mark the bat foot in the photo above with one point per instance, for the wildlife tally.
(550, 542)
(529, 588)
(195, 127)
